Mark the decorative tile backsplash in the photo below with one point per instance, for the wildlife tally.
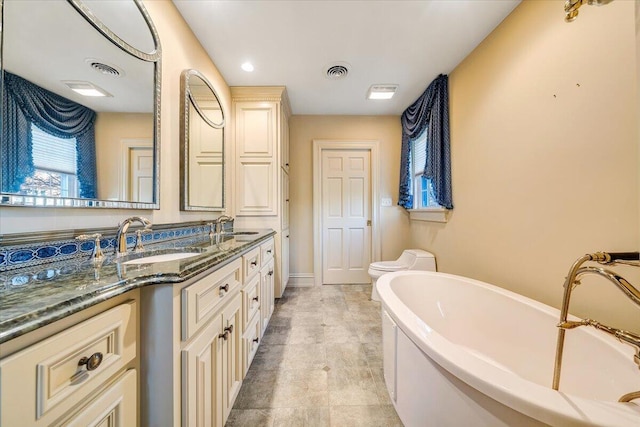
(43, 252)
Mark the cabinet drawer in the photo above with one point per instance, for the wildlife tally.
(44, 381)
(250, 301)
(116, 406)
(251, 340)
(267, 251)
(201, 299)
(251, 263)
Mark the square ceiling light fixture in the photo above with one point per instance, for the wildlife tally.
(86, 88)
(382, 91)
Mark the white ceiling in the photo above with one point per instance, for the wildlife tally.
(291, 42)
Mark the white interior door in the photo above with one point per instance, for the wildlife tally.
(141, 174)
(346, 216)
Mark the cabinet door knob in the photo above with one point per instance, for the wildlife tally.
(224, 288)
(269, 251)
(271, 273)
(225, 335)
(256, 298)
(255, 340)
(91, 362)
(254, 263)
(229, 329)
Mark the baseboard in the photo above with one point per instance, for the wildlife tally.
(302, 280)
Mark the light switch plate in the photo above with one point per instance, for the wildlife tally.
(385, 201)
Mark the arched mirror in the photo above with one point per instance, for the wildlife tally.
(80, 112)
(201, 145)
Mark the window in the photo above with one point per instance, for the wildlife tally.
(425, 207)
(422, 189)
(55, 162)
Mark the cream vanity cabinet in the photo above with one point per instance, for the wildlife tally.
(260, 167)
(258, 297)
(198, 339)
(78, 371)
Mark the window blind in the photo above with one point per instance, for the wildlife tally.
(419, 154)
(53, 153)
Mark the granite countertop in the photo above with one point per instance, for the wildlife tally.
(59, 289)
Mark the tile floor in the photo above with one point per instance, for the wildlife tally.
(319, 363)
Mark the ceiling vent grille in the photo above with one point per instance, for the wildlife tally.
(337, 71)
(106, 69)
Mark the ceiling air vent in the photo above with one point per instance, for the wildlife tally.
(102, 68)
(337, 70)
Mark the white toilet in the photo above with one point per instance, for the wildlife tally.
(411, 259)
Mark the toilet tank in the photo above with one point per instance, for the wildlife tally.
(417, 259)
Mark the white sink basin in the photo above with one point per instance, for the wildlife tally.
(162, 258)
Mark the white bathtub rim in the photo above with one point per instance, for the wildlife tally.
(536, 401)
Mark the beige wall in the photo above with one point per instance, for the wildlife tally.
(111, 130)
(180, 50)
(545, 156)
(394, 225)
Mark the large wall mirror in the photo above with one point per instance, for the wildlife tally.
(201, 145)
(81, 104)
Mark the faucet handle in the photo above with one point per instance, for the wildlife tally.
(139, 247)
(96, 256)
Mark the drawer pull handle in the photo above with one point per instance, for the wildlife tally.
(92, 362)
(256, 298)
(271, 273)
(228, 330)
(269, 251)
(254, 263)
(255, 340)
(224, 288)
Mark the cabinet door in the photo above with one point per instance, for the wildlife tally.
(267, 304)
(285, 199)
(284, 262)
(115, 407)
(203, 378)
(232, 354)
(256, 131)
(284, 137)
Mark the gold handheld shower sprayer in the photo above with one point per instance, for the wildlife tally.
(571, 7)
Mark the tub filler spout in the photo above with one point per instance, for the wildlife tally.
(576, 272)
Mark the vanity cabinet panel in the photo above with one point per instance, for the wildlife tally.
(47, 380)
(285, 200)
(261, 185)
(251, 263)
(212, 369)
(251, 296)
(232, 358)
(268, 303)
(284, 263)
(115, 407)
(251, 342)
(202, 378)
(201, 299)
(266, 251)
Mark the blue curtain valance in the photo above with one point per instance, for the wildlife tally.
(429, 113)
(25, 103)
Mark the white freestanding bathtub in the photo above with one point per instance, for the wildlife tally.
(460, 352)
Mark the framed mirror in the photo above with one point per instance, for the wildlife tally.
(81, 104)
(201, 145)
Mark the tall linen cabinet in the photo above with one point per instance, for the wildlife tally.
(260, 152)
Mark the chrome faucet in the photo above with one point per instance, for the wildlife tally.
(121, 235)
(220, 221)
(573, 279)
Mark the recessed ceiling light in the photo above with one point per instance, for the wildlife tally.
(247, 66)
(382, 91)
(86, 88)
